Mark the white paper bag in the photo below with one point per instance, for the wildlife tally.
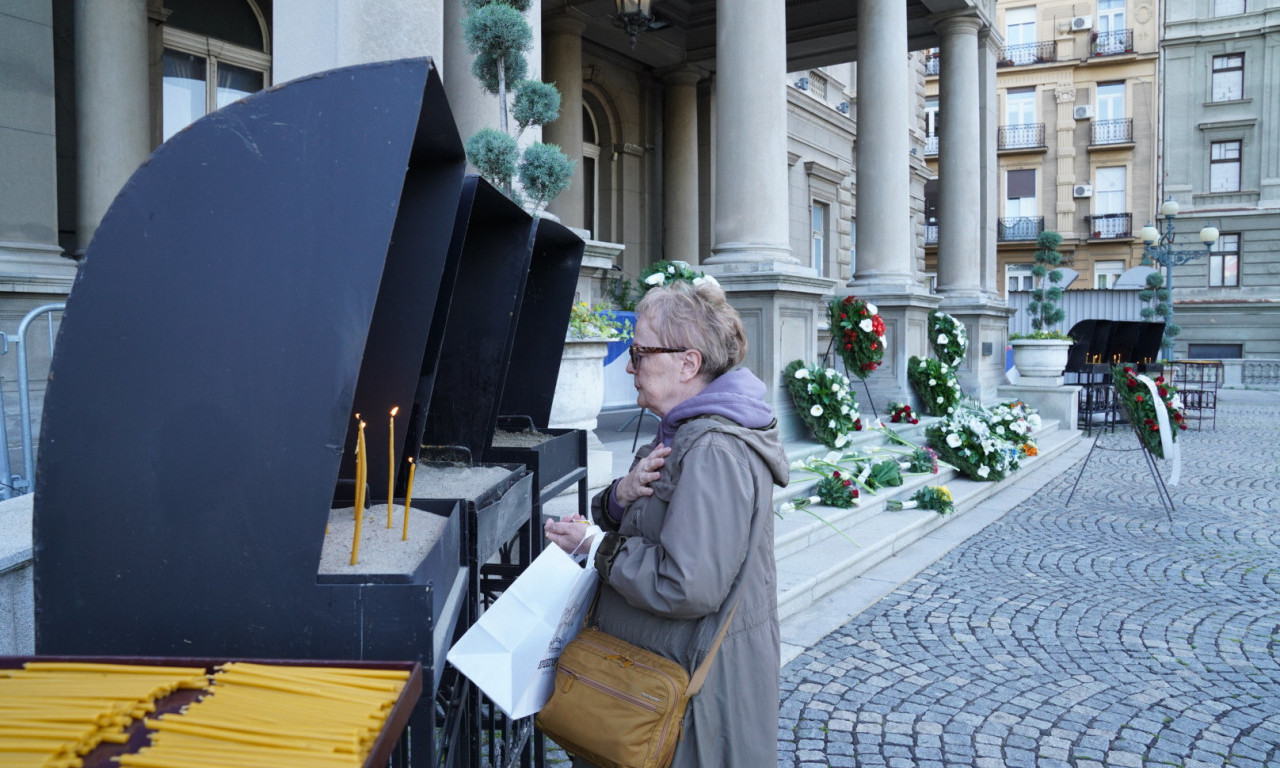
(510, 653)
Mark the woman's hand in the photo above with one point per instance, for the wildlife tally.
(635, 483)
(569, 533)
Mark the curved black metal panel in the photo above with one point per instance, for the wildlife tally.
(269, 270)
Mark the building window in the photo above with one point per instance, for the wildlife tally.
(1224, 166)
(818, 235)
(931, 125)
(1018, 277)
(590, 166)
(1020, 35)
(1228, 7)
(1215, 351)
(1106, 273)
(1228, 78)
(213, 55)
(1224, 262)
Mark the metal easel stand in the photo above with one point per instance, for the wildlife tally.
(639, 421)
(1162, 491)
(826, 360)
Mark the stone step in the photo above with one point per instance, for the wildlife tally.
(814, 560)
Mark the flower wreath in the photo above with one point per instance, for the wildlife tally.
(825, 402)
(665, 272)
(936, 384)
(900, 413)
(1142, 411)
(1016, 422)
(948, 338)
(965, 441)
(859, 334)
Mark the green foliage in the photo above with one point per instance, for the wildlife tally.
(1044, 311)
(664, 272)
(498, 30)
(824, 402)
(519, 5)
(623, 292)
(485, 69)
(536, 103)
(936, 384)
(494, 154)
(545, 172)
(598, 322)
(1042, 336)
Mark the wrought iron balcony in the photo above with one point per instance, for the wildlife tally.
(930, 234)
(1023, 54)
(1109, 226)
(1025, 136)
(1019, 228)
(1111, 43)
(1112, 131)
(933, 62)
(931, 145)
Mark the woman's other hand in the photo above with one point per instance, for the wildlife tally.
(635, 483)
(569, 533)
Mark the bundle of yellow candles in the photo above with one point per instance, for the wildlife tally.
(263, 716)
(52, 713)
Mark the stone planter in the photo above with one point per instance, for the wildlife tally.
(1040, 361)
(578, 399)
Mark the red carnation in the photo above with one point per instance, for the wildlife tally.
(1128, 369)
(836, 475)
(854, 493)
(874, 345)
(843, 316)
(1159, 379)
(1155, 428)
(848, 346)
(857, 424)
(1138, 398)
(848, 483)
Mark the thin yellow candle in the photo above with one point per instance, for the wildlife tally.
(361, 469)
(408, 493)
(391, 466)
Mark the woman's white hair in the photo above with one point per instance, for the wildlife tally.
(697, 316)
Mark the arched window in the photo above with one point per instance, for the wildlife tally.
(590, 173)
(215, 52)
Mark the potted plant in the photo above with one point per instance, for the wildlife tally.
(1042, 354)
(580, 385)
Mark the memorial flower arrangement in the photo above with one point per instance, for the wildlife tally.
(965, 441)
(598, 322)
(824, 401)
(900, 413)
(935, 497)
(665, 272)
(936, 384)
(1137, 400)
(923, 460)
(1016, 422)
(859, 334)
(948, 338)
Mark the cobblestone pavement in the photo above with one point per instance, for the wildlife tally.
(1095, 635)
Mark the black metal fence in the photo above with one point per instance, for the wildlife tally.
(1111, 43)
(932, 63)
(1025, 136)
(1112, 131)
(1023, 54)
(1109, 226)
(1018, 228)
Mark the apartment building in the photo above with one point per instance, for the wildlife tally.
(1078, 123)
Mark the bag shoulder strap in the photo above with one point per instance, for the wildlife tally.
(700, 674)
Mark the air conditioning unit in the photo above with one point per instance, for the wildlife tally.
(1082, 190)
(1084, 112)
(803, 83)
(1081, 22)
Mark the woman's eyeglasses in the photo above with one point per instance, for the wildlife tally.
(637, 351)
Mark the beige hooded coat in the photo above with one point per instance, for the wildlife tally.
(668, 575)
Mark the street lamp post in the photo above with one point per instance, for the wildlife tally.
(1158, 248)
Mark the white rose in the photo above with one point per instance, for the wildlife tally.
(671, 270)
(933, 382)
(865, 325)
(954, 440)
(942, 338)
(831, 372)
(939, 398)
(844, 409)
(831, 424)
(705, 279)
(841, 440)
(816, 410)
(872, 308)
(984, 471)
(802, 373)
(655, 279)
(999, 430)
(943, 366)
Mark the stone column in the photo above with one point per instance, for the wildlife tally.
(751, 216)
(960, 220)
(988, 127)
(113, 107)
(883, 147)
(680, 165)
(562, 65)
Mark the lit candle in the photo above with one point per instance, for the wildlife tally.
(408, 492)
(391, 466)
(361, 469)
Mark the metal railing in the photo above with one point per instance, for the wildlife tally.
(11, 484)
(1112, 131)
(932, 63)
(1025, 136)
(930, 234)
(1018, 228)
(930, 146)
(1111, 43)
(1023, 54)
(1108, 226)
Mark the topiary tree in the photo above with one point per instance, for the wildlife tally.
(498, 34)
(1157, 299)
(1044, 310)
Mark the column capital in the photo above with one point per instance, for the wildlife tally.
(682, 74)
(959, 24)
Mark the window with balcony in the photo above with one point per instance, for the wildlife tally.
(212, 57)
(1020, 36)
(1228, 78)
(1110, 126)
(1224, 166)
(1106, 273)
(933, 61)
(1020, 129)
(1110, 35)
(1228, 7)
(931, 126)
(931, 212)
(1020, 221)
(1224, 262)
(1111, 218)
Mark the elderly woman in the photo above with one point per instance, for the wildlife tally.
(688, 532)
